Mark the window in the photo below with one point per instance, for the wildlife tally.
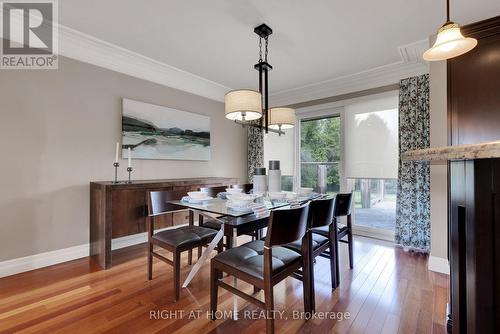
(281, 148)
(320, 154)
(371, 166)
(375, 203)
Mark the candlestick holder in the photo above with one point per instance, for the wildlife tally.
(129, 170)
(116, 165)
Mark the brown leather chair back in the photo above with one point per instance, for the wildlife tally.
(214, 191)
(287, 225)
(343, 204)
(321, 212)
(158, 201)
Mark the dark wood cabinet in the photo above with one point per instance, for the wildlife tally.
(474, 245)
(118, 210)
(474, 185)
(474, 87)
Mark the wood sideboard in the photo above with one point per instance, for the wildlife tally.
(120, 209)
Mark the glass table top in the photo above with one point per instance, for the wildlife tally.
(219, 206)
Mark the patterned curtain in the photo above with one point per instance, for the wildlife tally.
(255, 150)
(413, 200)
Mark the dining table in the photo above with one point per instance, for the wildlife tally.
(235, 221)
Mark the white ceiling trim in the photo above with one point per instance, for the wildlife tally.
(89, 49)
(411, 64)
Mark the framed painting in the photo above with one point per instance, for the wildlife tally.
(157, 132)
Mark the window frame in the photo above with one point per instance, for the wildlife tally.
(330, 110)
(319, 113)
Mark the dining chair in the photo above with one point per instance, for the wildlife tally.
(175, 240)
(264, 264)
(343, 204)
(320, 216)
(247, 187)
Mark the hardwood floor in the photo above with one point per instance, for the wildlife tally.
(388, 291)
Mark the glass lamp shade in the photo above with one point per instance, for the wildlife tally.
(281, 118)
(243, 105)
(449, 43)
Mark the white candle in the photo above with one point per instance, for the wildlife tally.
(116, 152)
(129, 157)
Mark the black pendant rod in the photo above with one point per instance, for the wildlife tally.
(447, 10)
(261, 95)
(266, 97)
(263, 31)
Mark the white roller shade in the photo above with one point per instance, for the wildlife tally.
(371, 138)
(280, 148)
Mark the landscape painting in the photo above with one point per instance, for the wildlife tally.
(157, 132)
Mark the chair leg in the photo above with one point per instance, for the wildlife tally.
(336, 256)
(150, 261)
(214, 286)
(308, 277)
(199, 252)
(333, 264)
(256, 289)
(190, 257)
(269, 303)
(349, 245)
(177, 274)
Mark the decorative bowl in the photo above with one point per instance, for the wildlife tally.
(234, 190)
(197, 194)
(240, 199)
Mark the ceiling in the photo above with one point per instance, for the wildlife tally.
(313, 41)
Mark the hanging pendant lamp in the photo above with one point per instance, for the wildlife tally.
(449, 41)
(245, 105)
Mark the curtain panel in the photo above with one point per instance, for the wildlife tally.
(413, 200)
(255, 157)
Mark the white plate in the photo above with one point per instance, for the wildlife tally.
(198, 200)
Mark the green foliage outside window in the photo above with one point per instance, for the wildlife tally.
(320, 142)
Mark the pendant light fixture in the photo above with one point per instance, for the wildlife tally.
(244, 105)
(281, 118)
(449, 41)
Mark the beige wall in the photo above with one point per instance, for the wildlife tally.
(58, 130)
(439, 137)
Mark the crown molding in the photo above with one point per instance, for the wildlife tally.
(413, 53)
(411, 64)
(89, 49)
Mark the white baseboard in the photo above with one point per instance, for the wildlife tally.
(439, 265)
(27, 263)
(32, 262)
(374, 233)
